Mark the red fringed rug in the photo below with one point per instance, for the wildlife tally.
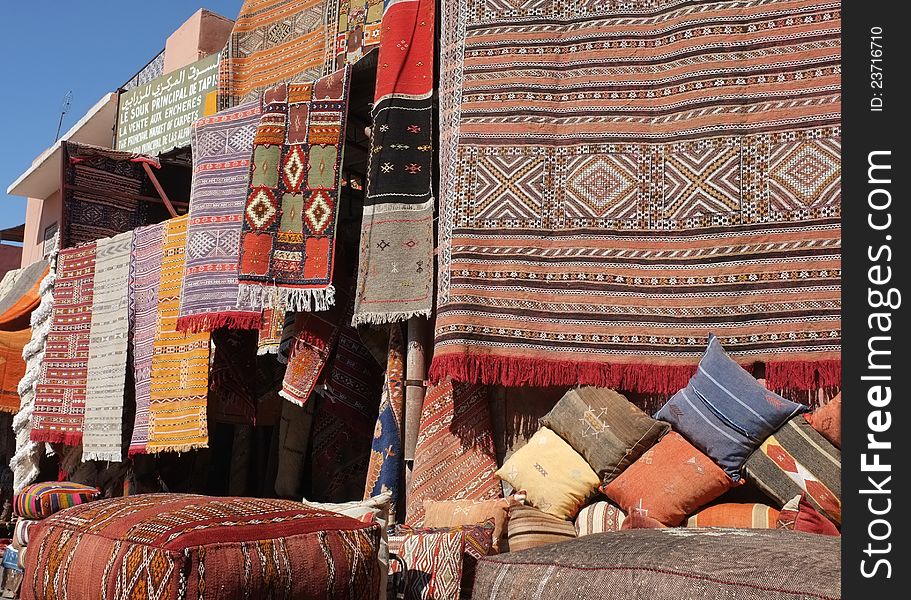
(619, 180)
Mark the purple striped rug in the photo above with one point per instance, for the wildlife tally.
(222, 146)
(145, 275)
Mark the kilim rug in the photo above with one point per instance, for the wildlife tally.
(620, 179)
(356, 30)
(271, 326)
(22, 296)
(273, 41)
(107, 365)
(60, 393)
(455, 457)
(103, 193)
(233, 378)
(145, 278)
(344, 421)
(180, 361)
(222, 145)
(26, 460)
(395, 273)
(288, 239)
(386, 468)
(313, 342)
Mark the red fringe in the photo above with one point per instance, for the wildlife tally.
(219, 320)
(71, 438)
(663, 380)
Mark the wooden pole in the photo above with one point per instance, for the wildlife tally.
(159, 189)
(415, 374)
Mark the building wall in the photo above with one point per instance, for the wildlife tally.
(39, 215)
(10, 258)
(201, 35)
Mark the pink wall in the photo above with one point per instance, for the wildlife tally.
(201, 35)
(39, 214)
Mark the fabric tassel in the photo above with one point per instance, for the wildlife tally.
(222, 320)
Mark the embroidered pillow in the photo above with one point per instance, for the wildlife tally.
(799, 515)
(608, 430)
(41, 500)
(827, 420)
(530, 528)
(452, 513)
(725, 412)
(731, 514)
(375, 509)
(671, 480)
(599, 517)
(555, 478)
(797, 459)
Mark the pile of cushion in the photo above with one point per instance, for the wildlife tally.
(598, 463)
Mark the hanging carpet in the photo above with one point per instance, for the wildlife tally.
(356, 28)
(180, 360)
(288, 240)
(60, 393)
(222, 145)
(107, 364)
(620, 179)
(21, 297)
(273, 41)
(395, 271)
(145, 279)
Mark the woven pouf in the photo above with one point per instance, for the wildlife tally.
(179, 547)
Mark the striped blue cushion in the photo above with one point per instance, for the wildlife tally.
(725, 412)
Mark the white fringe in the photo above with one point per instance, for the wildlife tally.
(109, 456)
(286, 299)
(290, 398)
(381, 318)
(264, 350)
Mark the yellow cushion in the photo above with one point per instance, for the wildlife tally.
(555, 478)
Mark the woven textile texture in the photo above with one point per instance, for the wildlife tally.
(615, 177)
(145, 279)
(60, 393)
(273, 41)
(344, 421)
(529, 527)
(669, 564)
(747, 516)
(41, 500)
(21, 296)
(457, 513)
(270, 331)
(799, 515)
(386, 469)
(455, 456)
(395, 272)
(827, 420)
(27, 456)
(314, 339)
(356, 28)
(105, 192)
(599, 517)
(608, 430)
(183, 547)
(222, 145)
(107, 365)
(180, 360)
(797, 459)
(288, 238)
(22, 533)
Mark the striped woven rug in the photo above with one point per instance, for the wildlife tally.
(618, 180)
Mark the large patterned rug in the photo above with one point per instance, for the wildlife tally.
(222, 145)
(180, 360)
(288, 237)
(273, 41)
(60, 392)
(356, 27)
(620, 179)
(395, 270)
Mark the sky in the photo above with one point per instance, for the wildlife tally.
(89, 47)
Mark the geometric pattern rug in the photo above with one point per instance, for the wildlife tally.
(604, 209)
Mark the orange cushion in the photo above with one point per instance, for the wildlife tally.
(747, 516)
(827, 420)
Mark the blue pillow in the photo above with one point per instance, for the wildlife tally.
(725, 412)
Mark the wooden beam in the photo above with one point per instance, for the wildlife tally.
(415, 374)
(159, 189)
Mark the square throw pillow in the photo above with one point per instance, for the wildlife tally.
(827, 420)
(799, 515)
(554, 477)
(671, 480)
(41, 500)
(432, 558)
(599, 517)
(608, 430)
(797, 459)
(725, 412)
(452, 513)
(530, 528)
(372, 509)
(733, 514)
